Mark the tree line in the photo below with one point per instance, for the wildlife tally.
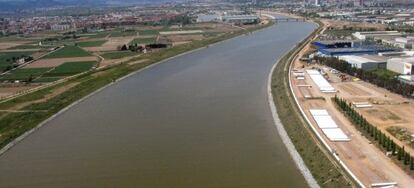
(372, 131)
(390, 83)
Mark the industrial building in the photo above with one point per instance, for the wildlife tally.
(373, 34)
(333, 44)
(366, 62)
(400, 42)
(401, 65)
(208, 18)
(349, 47)
(336, 52)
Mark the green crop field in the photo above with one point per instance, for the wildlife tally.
(6, 58)
(118, 54)
(47, 79)
(98, 35)
(70, 68)
(24, 74)
(123, 33)
(68, 51)
(143, 41)
(148, 32)
(91, 43)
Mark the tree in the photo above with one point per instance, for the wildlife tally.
(124, 47)
(393, 148)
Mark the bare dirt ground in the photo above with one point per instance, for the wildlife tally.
(11, 90)
(21, 50)
(184, 38)
(6, 45)
(364, 159)
(112, 44)
(58, 61)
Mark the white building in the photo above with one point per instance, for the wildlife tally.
(401, 65)
(208, 18)
(60, 27)
(365, 62)
(372, 34)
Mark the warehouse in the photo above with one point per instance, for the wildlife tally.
(366, 62)
(401, 65)
(373, 34)
(368, 50)
(208, 18)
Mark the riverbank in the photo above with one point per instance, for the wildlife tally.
(314, 155)
(58, 98)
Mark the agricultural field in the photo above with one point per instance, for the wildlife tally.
(70, 68)
(26, 46)
(91, 43)
(148, 32)
(118, 54)
(96, 35)
(143, 41)
(24, 74)
(54, 62)
(68, 51)
(10, 44)
(8, 58)
(111, 45)
(123, 33)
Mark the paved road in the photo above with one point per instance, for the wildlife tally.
(199, 120)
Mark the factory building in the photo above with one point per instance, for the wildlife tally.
(400, 42)
(336, 52)
(373, 34)
(401, 65)
(366, 62)
(349, 47)
(208, 18)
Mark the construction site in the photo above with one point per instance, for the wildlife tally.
(314, 86)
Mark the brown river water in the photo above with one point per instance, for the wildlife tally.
(201, 120)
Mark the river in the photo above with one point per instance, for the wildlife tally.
(200, 120)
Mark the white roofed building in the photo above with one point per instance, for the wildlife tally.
(366, 62)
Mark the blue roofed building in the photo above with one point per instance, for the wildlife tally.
(337, 48)
(333, 44)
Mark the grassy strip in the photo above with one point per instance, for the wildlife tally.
(12, 125)
(323, 167)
